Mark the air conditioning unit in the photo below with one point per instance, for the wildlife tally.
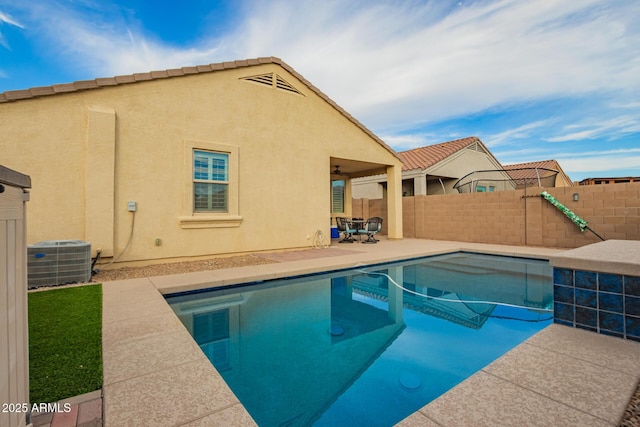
(58, 262)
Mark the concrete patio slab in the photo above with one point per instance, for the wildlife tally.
(611, 256)
(590, 388)
(143, 300)
(485, 400)
(117, 332)
(170, 397)
(601, 350)
(186, 281)
(232, 416)
(153, 353)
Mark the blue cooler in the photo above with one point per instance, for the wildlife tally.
(334, 233)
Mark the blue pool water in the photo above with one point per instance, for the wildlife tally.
(353, 348)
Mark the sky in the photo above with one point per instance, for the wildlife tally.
(534, 80)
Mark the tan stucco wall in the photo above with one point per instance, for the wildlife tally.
(455, 167)
(369, 187)
(91, 152)
(563, 181)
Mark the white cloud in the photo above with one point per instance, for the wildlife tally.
(618, 152)
(592, 129)
(600, 163)
(396, 64)
(401, 65)
(520, 132)
(405, 142)
(611, 162)
(414, 62)
(100, 44)
(6, 19)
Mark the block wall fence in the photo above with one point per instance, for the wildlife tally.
(519, 217)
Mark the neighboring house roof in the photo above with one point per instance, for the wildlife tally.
(609, 180)
(82, 85)
(425, 157)
(530, 173)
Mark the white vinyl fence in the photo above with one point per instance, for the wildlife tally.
(14, 341)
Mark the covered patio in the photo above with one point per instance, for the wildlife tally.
(342, 171)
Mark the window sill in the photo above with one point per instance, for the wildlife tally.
(210, 221)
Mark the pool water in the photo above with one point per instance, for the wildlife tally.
(355, 348)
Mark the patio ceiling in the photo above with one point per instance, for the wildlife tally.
(355, 168)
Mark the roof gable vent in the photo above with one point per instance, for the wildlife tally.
(282, 84)
(476, 147)
(264, 79)
(273, 80)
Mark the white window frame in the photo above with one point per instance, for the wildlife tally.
(192, 219)
(344, 195)
(211, 176)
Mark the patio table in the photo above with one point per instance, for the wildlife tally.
(358, 224)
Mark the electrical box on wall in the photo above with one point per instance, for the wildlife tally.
(131, 206)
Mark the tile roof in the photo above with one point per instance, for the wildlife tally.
(37, 92)
(425, 157)
(528, 169)
(531, 173)
(549, 164)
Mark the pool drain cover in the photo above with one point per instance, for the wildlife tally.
(336, 330)
(409, 381)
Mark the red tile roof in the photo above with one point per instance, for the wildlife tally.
(425, 157)
(527, 170)
(36, 92)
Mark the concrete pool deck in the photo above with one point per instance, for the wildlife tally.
(155, 374)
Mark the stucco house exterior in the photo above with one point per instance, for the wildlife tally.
(534, 172)
(433, 169)
(613, 180)
(215, 159)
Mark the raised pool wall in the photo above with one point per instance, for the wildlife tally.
(597, 287)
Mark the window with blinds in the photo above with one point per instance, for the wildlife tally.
(211, 332)
(210, 181)
(337, 196)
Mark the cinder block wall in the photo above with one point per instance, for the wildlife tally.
(519, 217)
(367, 208)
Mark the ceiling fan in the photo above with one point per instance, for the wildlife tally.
(337, 171)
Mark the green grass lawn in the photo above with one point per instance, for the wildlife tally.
(65, 342)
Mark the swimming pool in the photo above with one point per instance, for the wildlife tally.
(367, 346)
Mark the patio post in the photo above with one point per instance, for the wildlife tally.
(394, 202)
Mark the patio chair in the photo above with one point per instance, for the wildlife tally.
(372, 226)
(345, 227)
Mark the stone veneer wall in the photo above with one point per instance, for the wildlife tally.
(601, 302)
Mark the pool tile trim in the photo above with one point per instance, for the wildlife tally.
(597, 302)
